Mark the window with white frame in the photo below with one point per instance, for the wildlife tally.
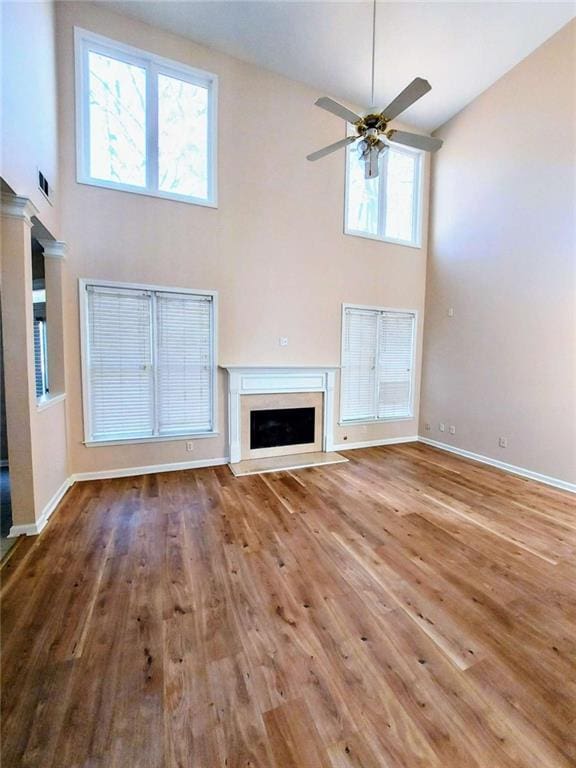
(148, 358)
(387, 207)
(144, 124)
(377, 375)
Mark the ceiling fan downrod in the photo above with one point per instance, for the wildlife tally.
(372, 128)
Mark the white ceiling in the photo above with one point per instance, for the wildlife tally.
(460, 47)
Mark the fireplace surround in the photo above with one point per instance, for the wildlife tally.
(315, 386)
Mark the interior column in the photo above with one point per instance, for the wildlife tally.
(18, 341)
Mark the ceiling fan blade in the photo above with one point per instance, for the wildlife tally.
(417, 88)
(427, 143)
(337, 109)
(331, 148)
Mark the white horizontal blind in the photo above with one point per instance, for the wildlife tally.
(184, 333)
(395, 355)
(377, 362)
(149, 363)
(119, 365)
(358, 364)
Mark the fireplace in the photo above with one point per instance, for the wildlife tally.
(284, 410)
(281, 426)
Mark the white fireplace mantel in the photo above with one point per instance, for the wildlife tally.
(251, 380)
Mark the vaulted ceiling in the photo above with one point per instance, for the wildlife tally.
(461, 48)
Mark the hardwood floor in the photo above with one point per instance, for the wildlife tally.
(408, 608)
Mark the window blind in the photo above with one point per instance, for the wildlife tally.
(149, 363)
(395, 353)
(120, 363)
(359, 374)
(378, 349)
(184, 363)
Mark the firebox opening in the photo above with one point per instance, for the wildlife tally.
(281, 426)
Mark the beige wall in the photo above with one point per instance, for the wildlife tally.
(503, 254)
(49, 453)
(274, 248)
(37, 439)
(29, 104)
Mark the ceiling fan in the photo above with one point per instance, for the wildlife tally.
(373, 127)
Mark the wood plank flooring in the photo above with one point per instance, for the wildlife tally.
(407, 609)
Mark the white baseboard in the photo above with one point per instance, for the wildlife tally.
(33, 529)
(109, 474)
(513, 469)
(374, 443)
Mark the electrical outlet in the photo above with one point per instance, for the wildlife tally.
(503, 442)
(427, 426)
(450, 311)
(452, 429)
(442, 427)
(283, 341)
(190, 446)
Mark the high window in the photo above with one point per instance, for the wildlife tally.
(387, 207)
(377, 376)
(144, 124)
(148, 359)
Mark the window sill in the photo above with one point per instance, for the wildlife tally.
(147, 192)
(389, 240)
(46, 401)
(161, 439)
(386, 420)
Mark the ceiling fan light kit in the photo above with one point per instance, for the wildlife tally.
(372, 128)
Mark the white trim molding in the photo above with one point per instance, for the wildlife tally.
(54, 249)
(84, 285)
(17, 207)
(419, 179)
(347, 308)
(164, 439)
(109, 474)
(46, 401)
(33, 529)
(252, 380)
(85, 43)
(564, 485)
(375, 443)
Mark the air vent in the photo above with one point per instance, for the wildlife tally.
(43, 184)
